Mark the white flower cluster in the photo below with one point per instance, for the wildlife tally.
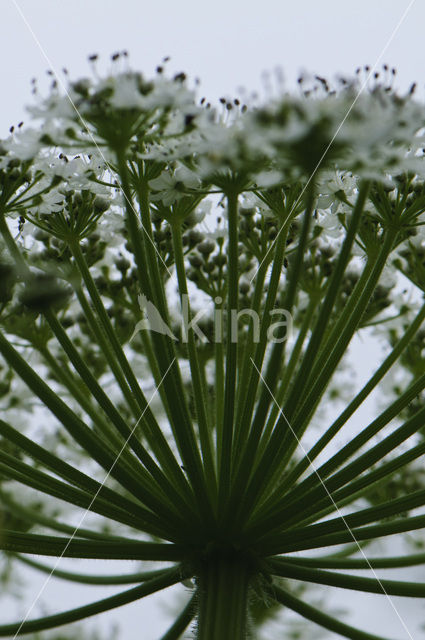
(332, 137)
(372, 133)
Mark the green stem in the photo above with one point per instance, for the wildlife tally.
(199, 390)
(248, 349)
(139, 518)
(219, 378)
(344, 477)
(356, 583)
(12, 246)
(287, 433)
(101, 339)
(251, 383)
(84, 578)
(246, 445)
(178, 490)
(375, 531)
(65, 377)
(18, 542)
(223, 585)
(332, 562)
(277, 355)
(254, 487)
(182, 622)
(156, 438)
(284, 385)
(357, 401)
(297, 495)
(107, 325)
(84, 436)
(108, 502)
(224, 462)
(343, 331)
(317, 616)
(36, 516)
(167, 579)
(305, 373)
(152, 284)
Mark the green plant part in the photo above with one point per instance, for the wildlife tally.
(177, 358)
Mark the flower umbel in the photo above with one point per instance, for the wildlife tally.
(199, 448)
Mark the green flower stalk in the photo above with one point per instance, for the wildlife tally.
(180, 287)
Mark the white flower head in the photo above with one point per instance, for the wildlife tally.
(23, 144)
(171, 185)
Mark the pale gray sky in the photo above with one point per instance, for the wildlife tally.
(227, 44)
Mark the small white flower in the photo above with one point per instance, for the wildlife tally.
(24, 144)
(171, 185)
(330, 184)
(330, 224)
(126, 92)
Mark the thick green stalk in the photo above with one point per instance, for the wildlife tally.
(223, 585)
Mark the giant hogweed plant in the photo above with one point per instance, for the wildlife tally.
(179, 284)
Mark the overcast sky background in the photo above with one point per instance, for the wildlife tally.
(227, 44)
